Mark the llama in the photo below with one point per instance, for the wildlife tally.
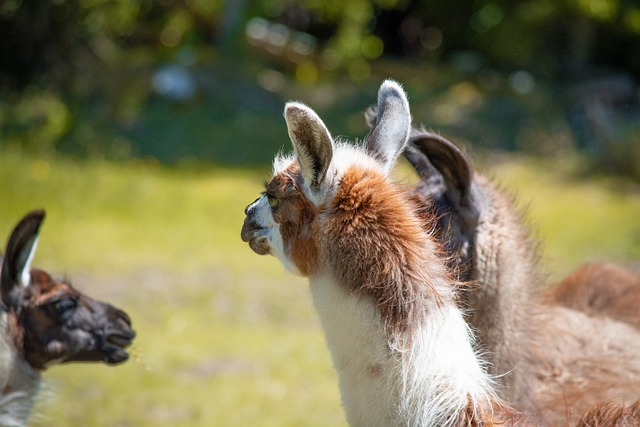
(549, 359)
(600, 289)
(479, 230)
(387, 303)
(611, 414)
(45, 321)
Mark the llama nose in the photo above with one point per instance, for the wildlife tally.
(123, 316)
(250, 205)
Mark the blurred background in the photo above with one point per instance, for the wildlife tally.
(144, 128)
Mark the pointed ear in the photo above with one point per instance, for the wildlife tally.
(312, 142)
(390, 123)
(17, 261)
(446, 178)
(442, 167)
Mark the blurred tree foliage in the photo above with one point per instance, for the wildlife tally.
(86, 70)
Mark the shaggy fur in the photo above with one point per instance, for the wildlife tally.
(601, 289)
(553, 362)
(610, 414)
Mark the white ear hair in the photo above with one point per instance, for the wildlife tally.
(392, 124)
(25, 275)
(312, 142)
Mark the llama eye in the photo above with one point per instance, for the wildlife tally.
(273, 202)
(62, 308)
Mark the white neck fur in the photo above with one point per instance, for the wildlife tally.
(426, 381)
(19, 382)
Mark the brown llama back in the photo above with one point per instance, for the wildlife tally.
(553, 362)
(611, 414)
(601, 289)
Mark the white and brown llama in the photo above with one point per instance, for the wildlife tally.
(399, 343)
(555, 354)
(45, 321)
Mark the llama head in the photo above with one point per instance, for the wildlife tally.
(303, 182)
(55, 323)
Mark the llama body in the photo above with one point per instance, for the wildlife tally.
(600, 290)
(552, 362)
(43, 322)
(402, 350)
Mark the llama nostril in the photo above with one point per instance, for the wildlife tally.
(124, 317)
(250, 206)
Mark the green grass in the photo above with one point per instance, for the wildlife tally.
(226, 337)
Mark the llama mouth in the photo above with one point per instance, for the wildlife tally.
(119, 340)
(114, 346)
(250, 230)
(251, 234)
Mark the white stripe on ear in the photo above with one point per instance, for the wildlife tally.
(25, 274)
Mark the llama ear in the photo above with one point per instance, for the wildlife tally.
(312, 142)
(16, 265)
(446, 179)
(390, 124)
(443, 168)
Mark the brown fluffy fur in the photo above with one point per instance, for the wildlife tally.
(556, 362)
(601, 289)
(394, 241)
(611, 414)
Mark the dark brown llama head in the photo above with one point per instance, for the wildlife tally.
(53, 322)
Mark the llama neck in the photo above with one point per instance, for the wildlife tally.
(503, 307)
(432, 377)
(19, 382)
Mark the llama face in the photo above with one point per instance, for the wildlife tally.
(57, 323)
(283, 220)
(280, 222)
(63, 325)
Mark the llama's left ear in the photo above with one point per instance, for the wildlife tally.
(390, 125)
(312, 142)
(17, 261)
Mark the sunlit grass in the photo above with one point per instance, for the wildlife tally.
(226, 337)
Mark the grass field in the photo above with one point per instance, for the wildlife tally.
(225, 337)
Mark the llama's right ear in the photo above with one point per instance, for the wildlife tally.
(312, 142)
(16, 265)
(390, 124)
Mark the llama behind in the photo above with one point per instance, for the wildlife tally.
(45, 321)
(600, 289)
(553, 362)
(402, 350)
(488, 248)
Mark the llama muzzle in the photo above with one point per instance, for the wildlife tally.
(253, 234)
